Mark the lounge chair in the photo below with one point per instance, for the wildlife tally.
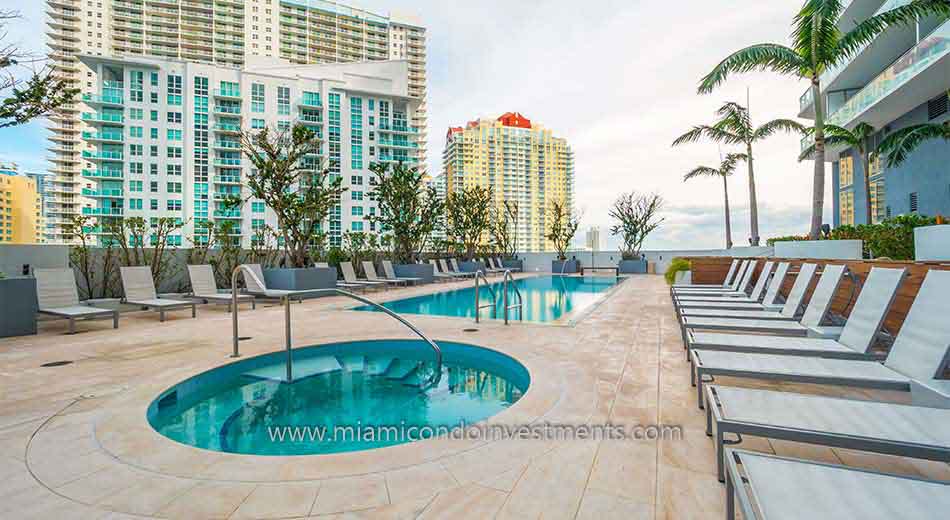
(140, 290)
(370, 270)
(920, 352)
(391, 273)
(501, 264)
(351, 281)
(489, 268)
(773, 487)
(57, 295)
(205, 288)
(781, 323)
(894, 429)
(258, 287)
(857, 335)
(439, 275)
(726, 283)
(454, 270)
(768, 282)
(743, 276)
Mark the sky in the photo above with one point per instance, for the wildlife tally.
(617, 79)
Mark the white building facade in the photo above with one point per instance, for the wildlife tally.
(161, 138)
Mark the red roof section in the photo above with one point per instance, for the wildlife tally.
(453, 130)
(515, 119)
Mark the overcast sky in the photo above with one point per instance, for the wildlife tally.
(616, 78)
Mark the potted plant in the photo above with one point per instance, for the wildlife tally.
(467, 219)
(504, 232)
(298, 189)
(561, 230)
(408, 213)
(636, 217)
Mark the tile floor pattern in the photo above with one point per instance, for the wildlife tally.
(74, 442)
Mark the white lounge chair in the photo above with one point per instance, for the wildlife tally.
(370, 270)
(454, 270)
(140, 290)
(736, 288)
(57, 295)
(258, 287)
(919, 353)
(205, 288)
(766, 282)
(490, 268)
(501, 265)
(730, 276)
(437, 272)
(350, 279)
(391, 273)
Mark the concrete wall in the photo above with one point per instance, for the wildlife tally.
(824, 249)
(14, 258)
(932, 243)
(541, 262)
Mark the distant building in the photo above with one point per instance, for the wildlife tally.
(523, 163)
(899, 79)
(21, 208)
(593, 239)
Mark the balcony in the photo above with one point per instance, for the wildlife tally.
(227, 163)
(102, 174)
(97, 117)
(227, 214)
(102, 194)
(397, 144)
(102, 212)
(102, 156)
(108, 137)
(227, 110)
(105, 99)
(227, 145)
(227, 179)
(227, 128)
(227, 93)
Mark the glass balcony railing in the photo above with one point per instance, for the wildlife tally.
(104, 194)
(225, 109)
(227, 179)
(221, 213)
(227, 93)
(105, 99)
(103, 212)
(928, 51)
(233, 145)
(103, 118)
(103, 136)
(102, 174)
(227, 162)
(227, 127)
(117, 156)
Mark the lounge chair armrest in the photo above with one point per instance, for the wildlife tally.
(825, 332)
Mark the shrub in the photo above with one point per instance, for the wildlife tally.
(677, 265)
(893, 238)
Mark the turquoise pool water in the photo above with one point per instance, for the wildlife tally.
(546, 298)
(345, 397)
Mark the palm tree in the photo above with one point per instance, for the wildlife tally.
(898, 146)
(734, 127)
(858, 139)
(817, 45)
(725, 170)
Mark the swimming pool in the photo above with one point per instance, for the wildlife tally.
(345, 397)
(546, 299)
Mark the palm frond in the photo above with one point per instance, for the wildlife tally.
(777, 125)
(702, 171)
(866, 31)
(728, 165)
(734, 118)
(816, 32)
(898, 146)
(807, 153)
(766, 56)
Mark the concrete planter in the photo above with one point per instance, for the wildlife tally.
(471, 267)
(513, 264)
(566, 266)
(932, 243)
(632, 267)
(18, 317)
(820, 249)
(300, 279)
(422, 271)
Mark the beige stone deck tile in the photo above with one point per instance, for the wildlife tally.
(687, 494)
(417, 482)
(599, 505)
(505, 481)
(695, 452)
(288, 499)
(92, 488)
(148, 496)
(626, 469)
(405, 510)
(351, 494)
(468, 501)
(208, 500)
(552, 486)
(56, 471)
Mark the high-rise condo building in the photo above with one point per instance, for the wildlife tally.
(164, 136)
(21, 208)
(899, 79)
(522, 162)
(226, 33)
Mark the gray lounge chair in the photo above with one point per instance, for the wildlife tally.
(743, 275)
(920, 352)
(726, 283)
(749, 303)
(370, 270)
(501, 264)
(351, 281)
(773, 487)
(257, 286)
(775, 282)
(438, 274)
(895, 429)
(857, 336)
(454, 270)
(489, 268)
(57, 296)
(140, 290)
(205, 288)
(391, 273)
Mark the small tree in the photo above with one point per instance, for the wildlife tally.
(298, 191)
(264, 249)
(562, 228)
(636, 217)
(468, 216)
(409, 211)
(504, 228)
(94, 272)
(359, 246)
(145, 243)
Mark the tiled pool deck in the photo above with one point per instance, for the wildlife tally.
(74, 441)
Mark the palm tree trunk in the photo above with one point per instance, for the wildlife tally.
(725, 191)
(753, 201)
(866, 165)
(818, 185)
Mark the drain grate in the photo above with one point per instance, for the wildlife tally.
(469, 330)
(56, 363)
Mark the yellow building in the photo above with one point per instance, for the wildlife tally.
(21, 210)
(521, 161)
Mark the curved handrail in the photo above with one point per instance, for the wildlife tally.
(520, 306)
(286, 300)
(479, 274)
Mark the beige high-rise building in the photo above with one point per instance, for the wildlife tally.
(229, 33)
(521, 161)
(21, 207)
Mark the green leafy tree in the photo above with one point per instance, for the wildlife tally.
(858, 139)
(725, 170)
(504, 228)
(818, 45)
(898, 146)
(27, 97)
(144, 242)
(288, 179)
(734, 127)
(562, 226)
(408, 210)
(637, 216)
(468, 216)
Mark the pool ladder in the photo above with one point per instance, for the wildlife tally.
(506, 308)
(286, 298)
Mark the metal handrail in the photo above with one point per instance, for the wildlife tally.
(494, 297)
(520, 305)
(285, 299)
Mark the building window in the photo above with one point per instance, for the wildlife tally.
(174, 90)
(257, 98)
(257, 124)
(283, 101)
(846, 208)
(845, 172)
(913, 202)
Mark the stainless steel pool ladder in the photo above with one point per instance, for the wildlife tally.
(480, 275)
(520, 305)
(286, 302)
